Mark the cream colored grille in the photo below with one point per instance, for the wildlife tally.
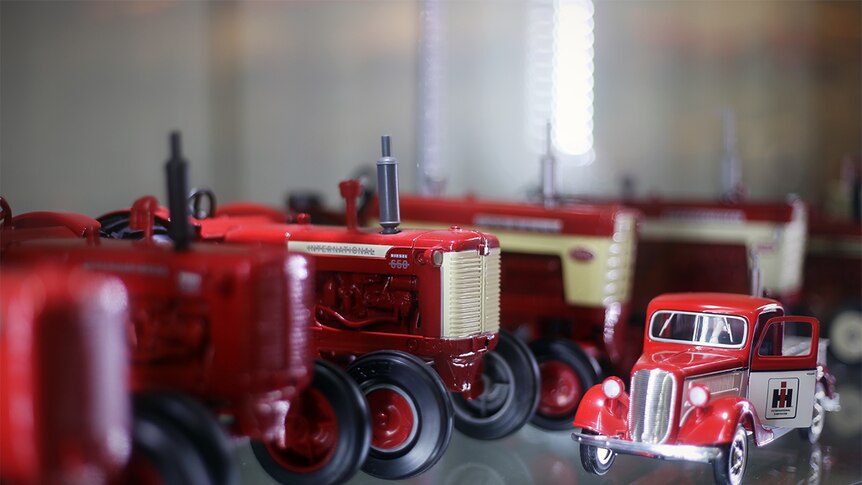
(471, 293)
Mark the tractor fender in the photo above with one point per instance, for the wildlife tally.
(605, 416)
(716, 423)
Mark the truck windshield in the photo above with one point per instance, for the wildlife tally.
(698, 328)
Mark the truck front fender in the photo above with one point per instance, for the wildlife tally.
(715, 424)
(605, 416)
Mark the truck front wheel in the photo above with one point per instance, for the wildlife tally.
(596, 460)
(730, 466)
(511, 393)
(327, 432)
(411, 413)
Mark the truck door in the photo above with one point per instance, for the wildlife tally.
(784, 371)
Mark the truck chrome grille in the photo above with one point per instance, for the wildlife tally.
(651, 409)
(471, 293)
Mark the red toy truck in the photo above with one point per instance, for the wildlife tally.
(716, 368)
(229, 326)
(65, 412)
(389, 302)
(566, 285)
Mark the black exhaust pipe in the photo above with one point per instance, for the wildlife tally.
(177, 168)
(387, 189)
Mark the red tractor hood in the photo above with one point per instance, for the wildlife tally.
(691, 362)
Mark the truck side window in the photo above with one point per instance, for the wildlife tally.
(769, 346)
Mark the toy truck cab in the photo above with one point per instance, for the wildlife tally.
(715, 368)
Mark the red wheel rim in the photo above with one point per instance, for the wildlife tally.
(561, 389)
(139, 471)
(393, 418)
(311, 434)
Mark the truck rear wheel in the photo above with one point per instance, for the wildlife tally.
(178, 441)
(818, 419)
(411, 413)
(511, 393)
(730, 466)
(327, 432)
(845, 335)
(565, 374)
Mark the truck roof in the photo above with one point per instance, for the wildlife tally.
(730, 303)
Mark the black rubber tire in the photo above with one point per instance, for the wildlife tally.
(198, 424)
(116, 226)
(165, 451)
(510, 397)
(354, 432)
(430, 399)
(570, 355)
(729, 468)
(182, 440)
(596, 461)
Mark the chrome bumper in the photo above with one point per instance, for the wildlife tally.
(698, 454)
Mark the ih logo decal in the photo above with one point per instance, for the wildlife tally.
(781, 398)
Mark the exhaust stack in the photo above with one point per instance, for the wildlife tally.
(387, 189)
(548, 165)
(176, 169)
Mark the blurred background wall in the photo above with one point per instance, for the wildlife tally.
(279, 96)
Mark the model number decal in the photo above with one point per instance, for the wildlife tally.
(339, 249)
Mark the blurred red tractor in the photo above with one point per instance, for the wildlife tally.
(229, 327)
(65, 412)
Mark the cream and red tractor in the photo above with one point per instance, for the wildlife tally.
(565, 287)
(390, 302)
(717, 369)
(691, 245)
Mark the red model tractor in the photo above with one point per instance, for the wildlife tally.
(387, 304)
(65, 412)
(716, 369)
(689, 245)
(227, 326)
(566, 285)
(832, 290)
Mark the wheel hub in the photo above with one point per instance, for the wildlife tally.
(311, 434)
(394, 418)
(561, 389)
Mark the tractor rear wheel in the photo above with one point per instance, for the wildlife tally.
(510, 393)
(411, 413)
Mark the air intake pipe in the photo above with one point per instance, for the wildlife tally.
(387, 189)
(176, 169)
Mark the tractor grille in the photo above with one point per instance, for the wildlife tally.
(471, 293)
(651, 409)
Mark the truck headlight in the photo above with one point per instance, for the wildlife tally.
(698, 396)
(612, 387)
